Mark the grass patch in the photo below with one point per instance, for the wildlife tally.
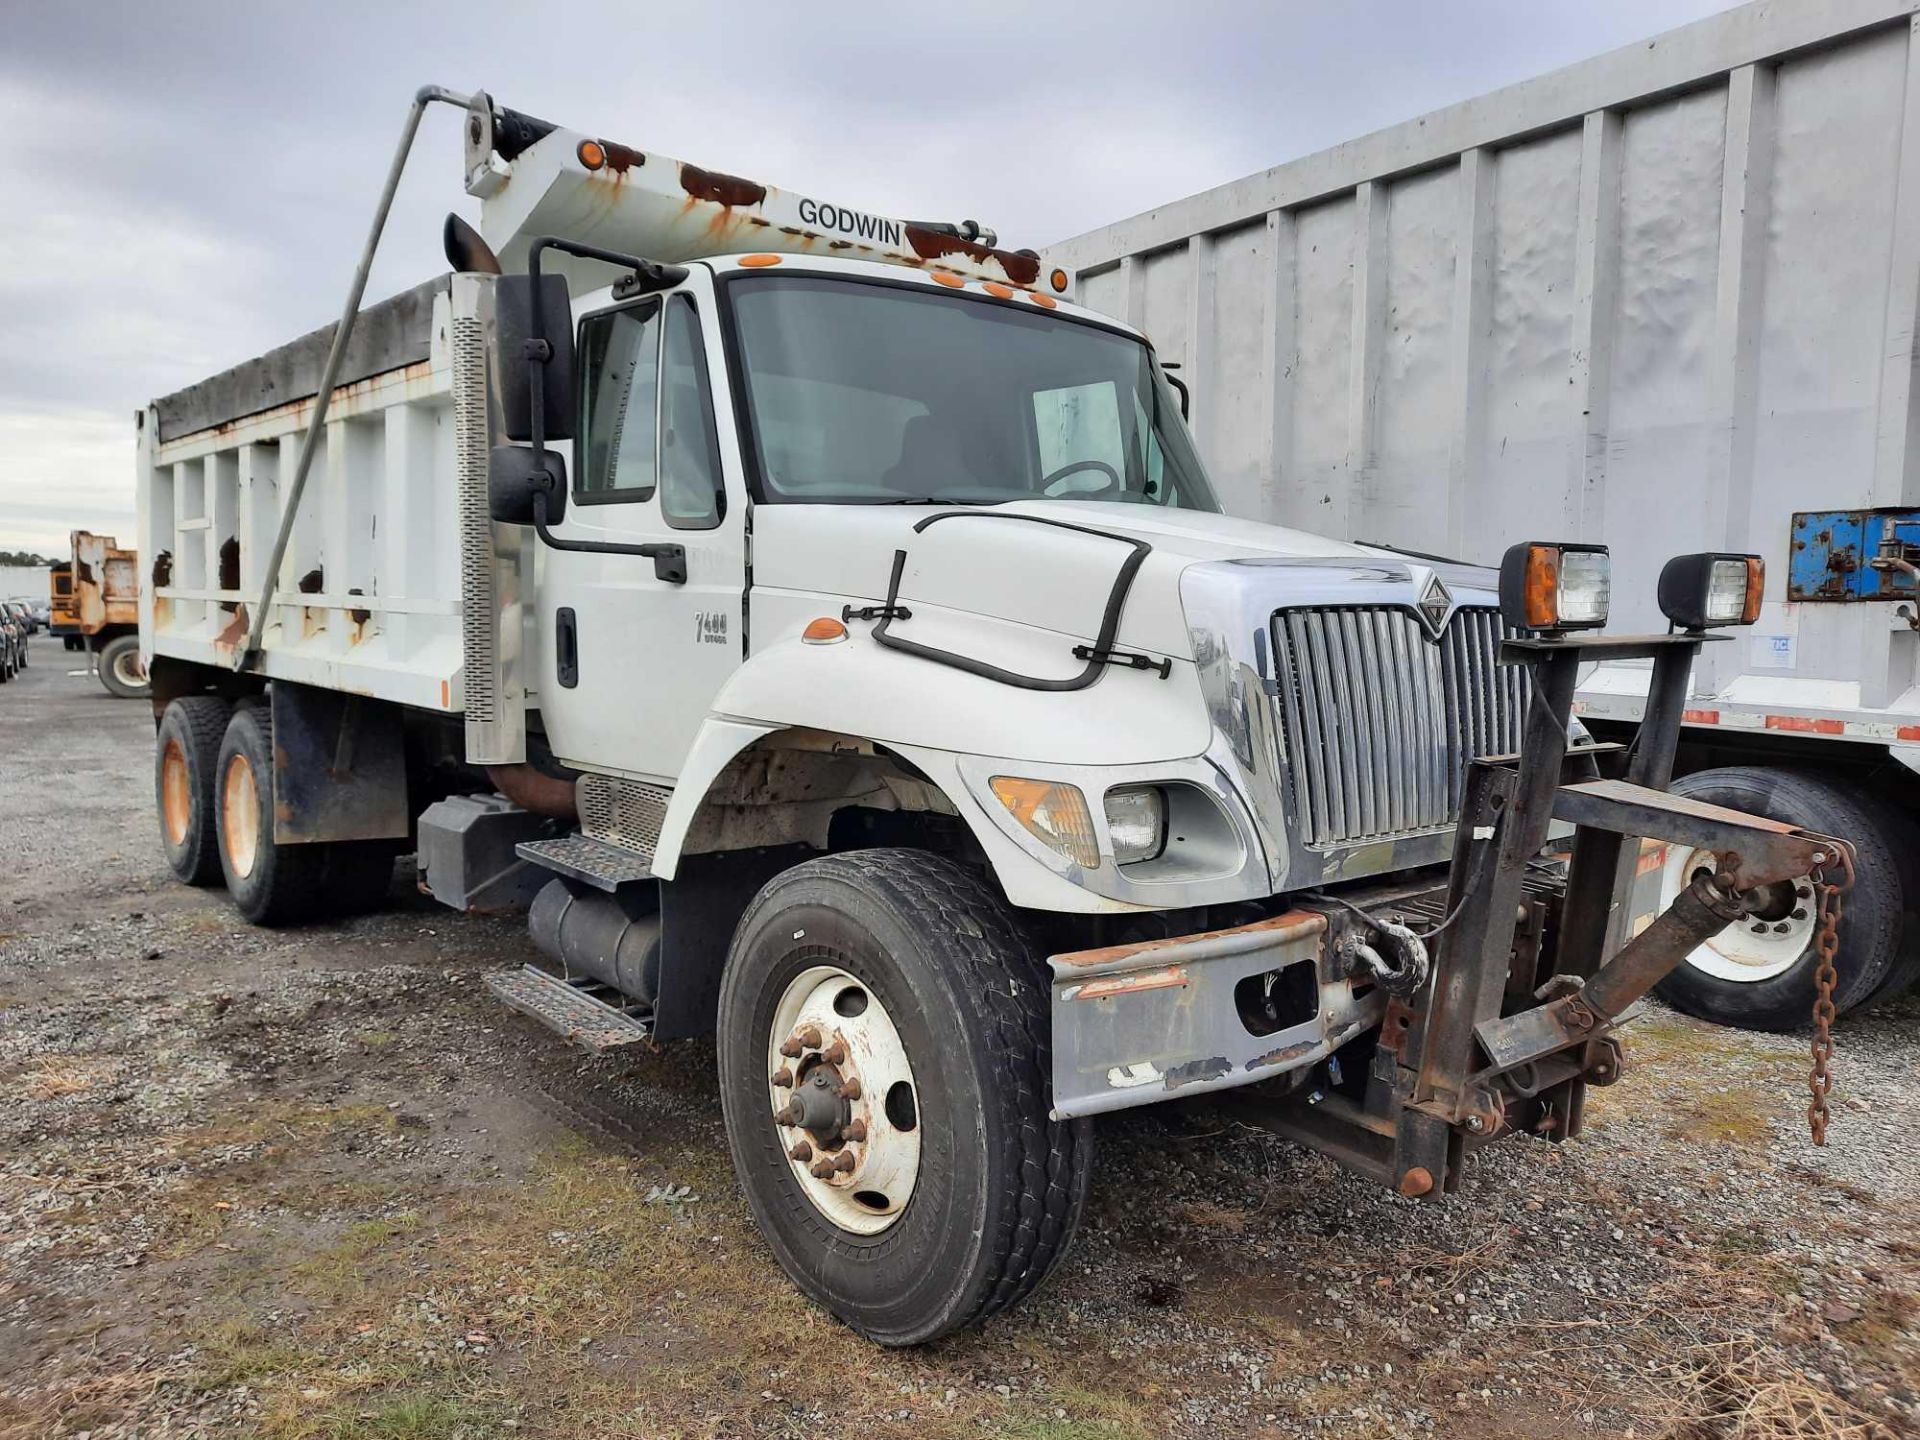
(1739, 1115)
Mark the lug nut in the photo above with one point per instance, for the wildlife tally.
(821, 1170)
(787, 1115)
(844, 1161)
(835, 1054)
(1760, 927)
(783, 1077)
(792, 1049)
(809, 1037)
(855, 1130)
(802, 1152)
(1800, 914)
(850, 1090)
(1781, 928)
(1805, 892)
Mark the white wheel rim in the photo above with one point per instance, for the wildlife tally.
(1741, 953)
(830, 1029)
(128, 670)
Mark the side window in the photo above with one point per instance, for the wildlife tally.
(691, 494)
(619, 396)
(1080, 423)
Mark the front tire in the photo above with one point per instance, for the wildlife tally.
(120, 668)
(921, 950)
(1759, 974)
(272, 884)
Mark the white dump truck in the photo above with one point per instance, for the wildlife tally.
(829, 634)
(1666, 292)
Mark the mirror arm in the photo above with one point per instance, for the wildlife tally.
(669, 560)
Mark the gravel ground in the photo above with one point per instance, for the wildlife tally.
(313, 1183)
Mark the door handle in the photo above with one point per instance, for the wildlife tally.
(566, 647)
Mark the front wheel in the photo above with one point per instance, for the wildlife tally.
(121, 670)
(884, 1071)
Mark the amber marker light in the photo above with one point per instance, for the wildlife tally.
(1058, 279)
(824, 631)
(758, 262)
(592, 154)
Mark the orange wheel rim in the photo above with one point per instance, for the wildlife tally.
(240, 816)
(176, 793)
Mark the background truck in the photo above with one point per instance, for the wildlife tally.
(1670, 291)
(831, 636)
(96, 608)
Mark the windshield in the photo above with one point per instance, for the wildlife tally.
(867, 393)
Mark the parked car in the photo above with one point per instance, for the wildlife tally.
(35, 619)
(13, 643)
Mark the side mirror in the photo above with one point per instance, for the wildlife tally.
(513, 297)
(516, 476)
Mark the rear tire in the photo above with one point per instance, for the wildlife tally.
(1750, 979)
(1901, 833)
(272, 884)
(994, 1187)
(186, 760)
(120, 668)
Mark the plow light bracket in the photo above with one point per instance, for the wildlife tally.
(1553, 587)
(1698, 592)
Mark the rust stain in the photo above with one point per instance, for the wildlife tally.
(721, 188)
(234, 633)
(359, 616)
(1283, 1054)
(1171, 977)
(1293, 925)
(1198, 1072)
(933, 245)
(162, 570)
(311, 582)
(621, 158)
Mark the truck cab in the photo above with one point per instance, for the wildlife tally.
(828, 634)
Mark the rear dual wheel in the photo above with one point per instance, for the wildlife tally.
(884, 1070)
(213, 790)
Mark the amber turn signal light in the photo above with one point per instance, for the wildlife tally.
(1544, 586)
(1700, 592)
(824, 631)
(592, 154)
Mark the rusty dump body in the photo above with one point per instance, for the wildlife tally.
(1399, 1067)
(97, 591)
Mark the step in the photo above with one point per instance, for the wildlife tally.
(592, 862)
(572, 1010)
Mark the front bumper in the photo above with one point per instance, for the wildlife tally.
(1135, 1024)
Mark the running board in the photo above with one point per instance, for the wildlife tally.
(571, 1009)
(591, 862)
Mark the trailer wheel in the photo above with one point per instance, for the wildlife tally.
(271, 883)
(884, 1070)
(186, 759)
(1901, 833)
(1759, 974)
(120, 668)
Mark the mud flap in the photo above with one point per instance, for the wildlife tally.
(339, 767)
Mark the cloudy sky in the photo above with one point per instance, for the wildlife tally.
(187, 183)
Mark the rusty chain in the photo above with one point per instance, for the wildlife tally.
(1827, 944)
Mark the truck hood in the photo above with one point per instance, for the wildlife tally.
(1054, 577)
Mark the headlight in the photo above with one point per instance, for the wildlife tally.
(1137, 821)
(1701, 591)
(1555, 587)
(1054, 813)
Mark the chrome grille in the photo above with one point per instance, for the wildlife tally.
(1378, 722)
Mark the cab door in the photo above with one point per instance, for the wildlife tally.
(631, 653)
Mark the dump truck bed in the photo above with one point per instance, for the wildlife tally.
(368, 598)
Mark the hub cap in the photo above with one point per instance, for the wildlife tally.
(240, 815)
(176, 795)
(843, 1095)
(1767, 943)
(128, 670)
